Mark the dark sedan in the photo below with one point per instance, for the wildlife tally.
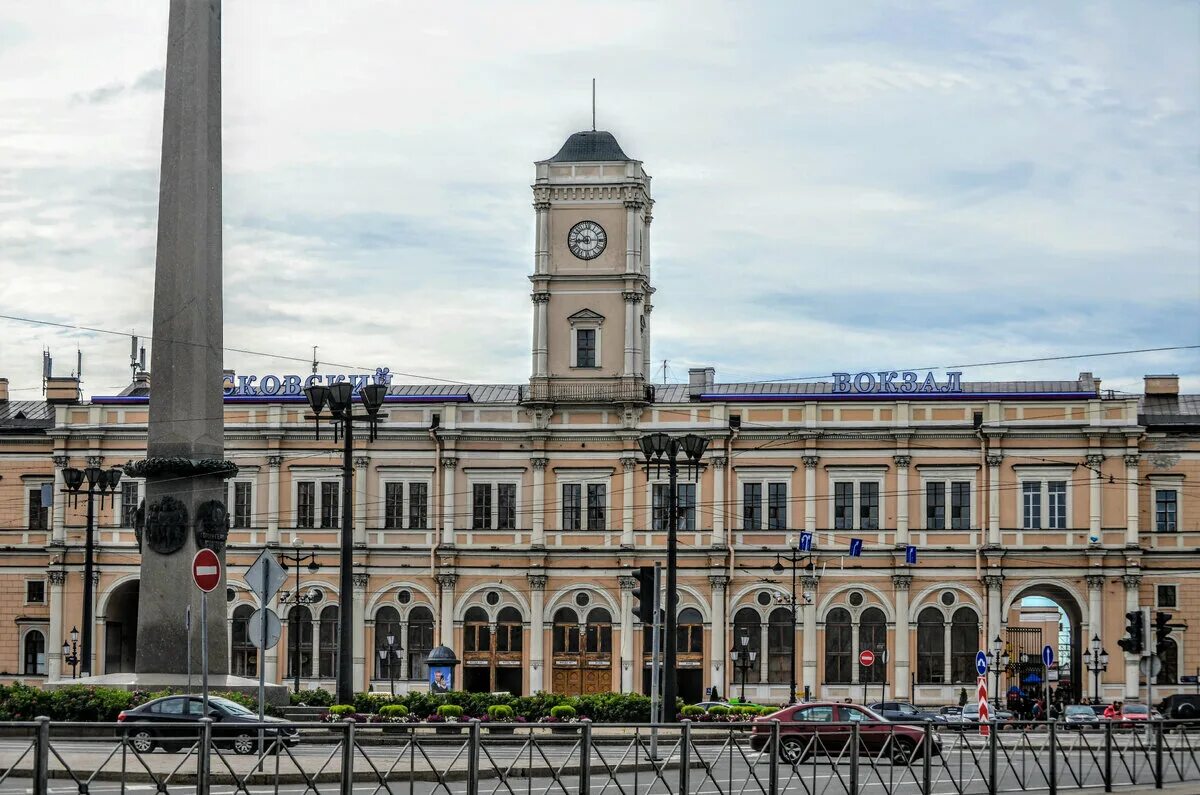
(173, 723)
(903, 712)
(824, 729)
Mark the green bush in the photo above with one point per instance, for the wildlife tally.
(450, 711)
(393, 711)
(501, 712)
(717, 710)
(692, 711)
(563, 712)
(369, 703)
(342, 710)
(312, 698)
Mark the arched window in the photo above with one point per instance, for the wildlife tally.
(420, 642)
(964, 643)
(599, 631)
(34, 653)
(872, 634)
(477, 636)
(931, 647)
(508, 629)
(566, 631)
(387, 622)
(837, 646)
(243, 653)
(300, 626)
(781, 636)
(690, 631)
(328, 641)
(1168, 652)
(746, 624)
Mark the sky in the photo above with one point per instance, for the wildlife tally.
(838, 187)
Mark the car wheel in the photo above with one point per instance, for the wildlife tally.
(901, 749)
(244, 743)
(142, 741)
(792, 751)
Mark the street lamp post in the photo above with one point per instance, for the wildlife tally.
(997, 661)
(297, 598)
(794, 558)
(70, 651)
(389, 652)
(743, 660)
(1095, 660)
(102, 482)
(661, 450)
(338, 397)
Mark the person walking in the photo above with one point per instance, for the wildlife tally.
(1113, 711)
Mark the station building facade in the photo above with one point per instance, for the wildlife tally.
(506, 521)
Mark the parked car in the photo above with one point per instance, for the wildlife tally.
(1081, 717)
(1098, 710)
(705, 705)
(1181, 706)
(903, 712)
(824, 728)
(999, 717)
(1137, 713)
(173, 722)
(951, 715)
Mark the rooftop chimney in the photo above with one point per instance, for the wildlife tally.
(700, 380)
(1164, 384)
(63, 389)
(3, 390)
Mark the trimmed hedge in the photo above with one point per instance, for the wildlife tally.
(450, 711)
(81, 703)
(312, 698)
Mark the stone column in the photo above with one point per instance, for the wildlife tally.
(1094, 499)
(903, 663)
(58, 534)
(627, 585)
(718, 583)
(810, 492)
(449, 464)
(1095, 585)
(537, 632)
(360, 501)
(718, 504)
(1133, 583)
(316, 646)
(632, 209)
(633, 298)
(273, 464)
(1131, 501)
(55, 637)
(446, 608)
(541, 252)
(402, 638)
(360, 632)
(993, 534)
(994, 584)
(902, 464)
(540, 334)
(809, 611)
(538, 537)
(855, 640)
(628, 466)
(270, 658)
(630, 359)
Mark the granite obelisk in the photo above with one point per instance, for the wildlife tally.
(185, 491)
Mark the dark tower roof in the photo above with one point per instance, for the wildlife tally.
(590, 146)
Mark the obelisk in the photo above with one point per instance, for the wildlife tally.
(185, 490)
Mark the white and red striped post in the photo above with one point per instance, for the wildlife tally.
(984, 709)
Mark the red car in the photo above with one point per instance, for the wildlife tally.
(824, 728)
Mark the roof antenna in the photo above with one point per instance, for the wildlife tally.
(593, 104)
(133, 356)
(315, 362)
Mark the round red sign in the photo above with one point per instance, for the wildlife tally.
(206, 570)
(867, 658)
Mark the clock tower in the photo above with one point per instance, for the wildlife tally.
(591, 275)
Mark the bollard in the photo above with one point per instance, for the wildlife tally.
(41, 757)
(993, 747)
(1052, 771)
(473, 758)
(1156, 727)
(927, 773)
(1108, 757)
(347, 783)
(853, 759)
(773, 758)
(685, 749)
(585, 757)
(204, 758)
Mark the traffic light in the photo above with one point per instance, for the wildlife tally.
(1135, 632)
(1162, 629)
(643, 594)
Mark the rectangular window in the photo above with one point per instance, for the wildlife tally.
(661, 495)
(776, 506)
(572, 506)
(935, 506)
(418, 505)
(843, 505)
(1166, 510)
(129, 503)
(39, 515)
(506, 503)
(481, 506)
(1165, 596)
(1031, 505)
(35, 592)
(241, 503)
(686, 494)
(393, 505)
(751, 506)
(1056, 492)
(960, 505)
(868, 506)
(306, 501)
(329, 503)
(585, 351)
(597, 494)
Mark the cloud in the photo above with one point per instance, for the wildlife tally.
(150, 80)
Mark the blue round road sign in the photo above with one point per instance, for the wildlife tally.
(1047, 656)
(981, 664)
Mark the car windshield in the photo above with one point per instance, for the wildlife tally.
(1134, 709)
(232, 707)
(1079, 709)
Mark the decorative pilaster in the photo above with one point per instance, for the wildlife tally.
(1131, 500)
(902, 462)
(274, 462)
(628, 467)
(54, 640)
(360, 501)
(538, 536)
(809, 618)
(1133, 584)
(95, 460)
(810, 503)
(718, 501)
(995, 585)
(449, 465)
(1094, 462)
(717, 584)
(993, 536)
(903, 662)
(541, 344)
(541, 250)
(58, 534)
(537, 631)
(446, 608)
(359, 600)
(1095, 625)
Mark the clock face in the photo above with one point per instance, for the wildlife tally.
(587, 240)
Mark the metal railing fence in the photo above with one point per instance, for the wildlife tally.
(760, 758)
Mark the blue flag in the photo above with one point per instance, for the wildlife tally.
(806, 542)
(910, 555)
(855, 547)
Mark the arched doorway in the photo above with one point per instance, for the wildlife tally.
(1039, 615)
(492, 652)
(120, 628)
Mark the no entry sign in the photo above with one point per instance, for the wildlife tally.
(206, 570)
(866, 658)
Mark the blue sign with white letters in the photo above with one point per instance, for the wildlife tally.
(275, 385)
(894, 382)
(1047, 656)
(806, 542)
(855, 547)
(910, 555)
(981, 663)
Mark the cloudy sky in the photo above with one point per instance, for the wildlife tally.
(839, 186)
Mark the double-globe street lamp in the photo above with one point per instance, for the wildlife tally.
(794, 557)
(389, 654)
(1095, 660)
(662, 452)
(102, 482)
(338, 398)
(297, 598)
(70, 651)
(743, 660)
(997, 661)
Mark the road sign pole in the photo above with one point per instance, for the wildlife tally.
(188, 626)
(262, 666)
(204, 651)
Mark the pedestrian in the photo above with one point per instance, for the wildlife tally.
(1113, 711)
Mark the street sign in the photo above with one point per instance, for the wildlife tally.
(264, 628)
(910, 555)
(981, 663)
(1047, 656)
(206, 570)
(855, 547)
(806, 542)
(1150, 666)
(1188, 679)
(265, 577)
(981, 693)
(866, 658)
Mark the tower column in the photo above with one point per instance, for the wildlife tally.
(359, 600)
(901, 583)
(993, 533)
(54, 638)
(1093, 463)
(449, 464)
(540, 333)
(627, 585)
(538, 536)
(718, 502)
(1131, 500)
(1095, 625)
(360, 502)
(994, 584)
(537, 605)
(541, 252)
(629, 366)
(902, 463)
(810, 492)
(809, 612)
(58, 533)
(718, 583)
(446, 608)
(273, 464)
(628, 465)
(1133, 583)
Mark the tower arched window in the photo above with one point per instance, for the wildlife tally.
(964, 643)
(781, 636)
(420, 642)
(931, 646)
(837, 646)
(872, 634)
(599, 631)
(328, 648)
(477, 635)
(690, 631)
(566, 631)
(509, 629)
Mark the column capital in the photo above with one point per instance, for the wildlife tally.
(95, 460)
(811, 461)
(95, 577)
(539, 463)
(361, 462)
(1095, 582)
(1132, 459)
(1094, 460)
(537, 582)
(541, 206)
(633, 296)
(902, 582)
(541, 297)
(634, 204)
(719, 461)
(995, 459)
(449, 462)
(993, 581)
(62, 461)
(446, 580)
(1132, 581)
(720, 581)
(627, 583)
(810, 582)
(360, 581)
(629, 464)
(902, 461)
(56, 576)
(274, 461)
